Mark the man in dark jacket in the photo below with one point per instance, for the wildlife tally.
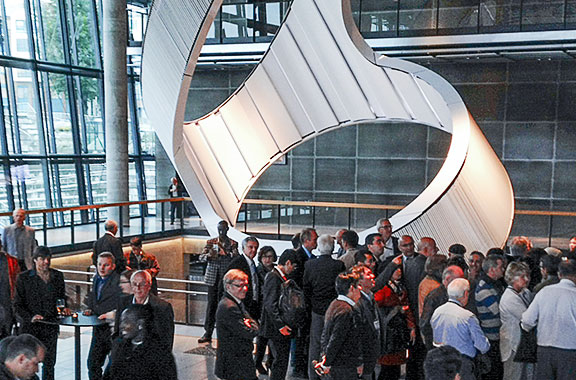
(319, 277)
(236, 329)
(369, 324)
(245, 263)
(163, 314)
(102, 299)
(341, 345)
(37, 292)
(273, 327)
(309, 240)
(109, 243)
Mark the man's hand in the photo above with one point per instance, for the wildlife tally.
(412, 336)
(37, 318)
(286, 330)
(320, 368)
(109, 315)
(66, 311)
(87, 312)
(360, 370)
(397, 260)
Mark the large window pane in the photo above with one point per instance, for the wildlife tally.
(91, 106)
(7, 107)
(542, 14)
(68, 185)
(237, 22)
(32, 176)
(27, 118)
(147, 134)
(378, 16)
(48, 31)
(98, 178)
(418, 17)
(18, 34)
(81, 38)
(60, 106)
(458, 16)
(150, 175)
(500, 16)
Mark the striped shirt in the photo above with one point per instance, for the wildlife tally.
(487, 296)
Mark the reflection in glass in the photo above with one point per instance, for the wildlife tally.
(91, 107)
(538, 14)
(238, 21)
(30, 175)
(417, 15)
(460, 16)
(499, 17)
(81, 34)
(68, 185)
(16, 21)
(61, 129)
(378, 16)
(47, 30)
(27, 118)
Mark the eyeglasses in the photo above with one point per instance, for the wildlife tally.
(139, 285)
(387, 227)
(240, 286)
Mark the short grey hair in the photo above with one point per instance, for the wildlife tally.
(233, 275)
(144, 273)
(515, 270)
(457, 288)
(249, 238)
(326, 244)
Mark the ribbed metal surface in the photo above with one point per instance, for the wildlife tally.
(315, 78)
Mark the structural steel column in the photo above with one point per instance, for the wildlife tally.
(116, 105)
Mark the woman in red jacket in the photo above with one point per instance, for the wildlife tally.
(398, 327)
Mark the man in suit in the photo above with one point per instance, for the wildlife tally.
(391, 248)
(37, 292)
(109, 243)
(341, 345)
(369, 322)
(273, 327)
(375, 245)
(245, 263)
(309, 240)
(218, 252)
(140, 260)
(319, 277)
(163, 314)
(18, 240)
(236, 329)
(102, 299)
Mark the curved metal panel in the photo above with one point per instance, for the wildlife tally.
(317, 75)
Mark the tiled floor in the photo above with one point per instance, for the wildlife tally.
(190, 366)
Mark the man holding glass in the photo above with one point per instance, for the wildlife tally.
(38, 292)
(102, 299)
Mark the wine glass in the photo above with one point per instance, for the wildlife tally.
(60, 305)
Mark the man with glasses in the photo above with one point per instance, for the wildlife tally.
(390, 242)
(245, 263)
(163, 331)
(236, 329)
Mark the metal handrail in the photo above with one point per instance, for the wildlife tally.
(99, 206)
(90, 273)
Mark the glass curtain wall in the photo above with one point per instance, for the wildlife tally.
(51, 108)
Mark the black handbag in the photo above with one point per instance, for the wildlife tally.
(528, 347)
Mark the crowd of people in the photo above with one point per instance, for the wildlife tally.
(367, 310)
(33, 299)
(330, 308)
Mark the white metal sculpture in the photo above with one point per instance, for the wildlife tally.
(317, 75)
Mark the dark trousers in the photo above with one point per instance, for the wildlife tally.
(302, 342)
(342, 373)
(214, 295)
(555, 364)
(389, 372)
(175, 211)
(99, 348)
(415, 363)
(316, 327)
(280, 347)
(496, 366)
(48, 335)
(261, 344)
